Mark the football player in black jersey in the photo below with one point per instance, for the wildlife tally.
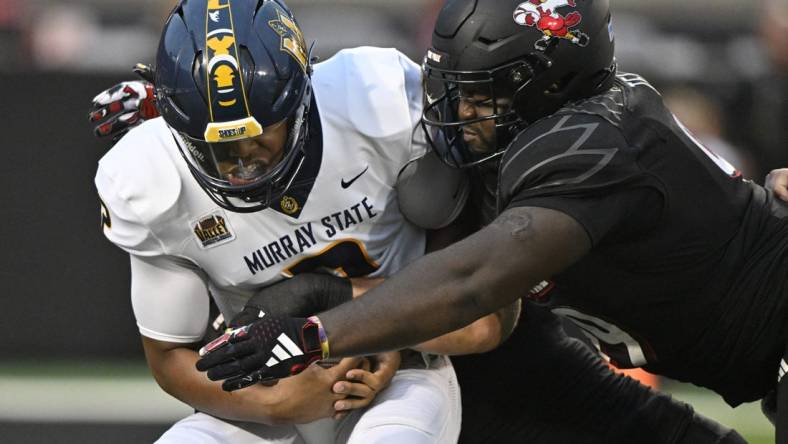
(658, 249)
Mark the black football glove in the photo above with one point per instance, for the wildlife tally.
(270, 348)
(125, 105)
(303, 295)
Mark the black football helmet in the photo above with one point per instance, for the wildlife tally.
(225, 70)
(529, 57)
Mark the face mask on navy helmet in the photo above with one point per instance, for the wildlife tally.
(230, 75)
(515, 56)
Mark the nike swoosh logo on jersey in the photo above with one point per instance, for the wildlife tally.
(350, 182)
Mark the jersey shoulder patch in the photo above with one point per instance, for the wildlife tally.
(376, 91)
(139, 184)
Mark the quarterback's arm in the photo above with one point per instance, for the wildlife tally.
(169, 297)
(450, 288)
(304, 398)
(480, 336)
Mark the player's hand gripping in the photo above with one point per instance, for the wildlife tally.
(364, 383)
(270, 348)
(777, 181)
(123, 106)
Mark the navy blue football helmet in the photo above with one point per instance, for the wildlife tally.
(527, 57)
(226, 71)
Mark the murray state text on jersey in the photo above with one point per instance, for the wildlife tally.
(303, 237)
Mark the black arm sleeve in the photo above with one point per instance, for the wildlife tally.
(300, 296)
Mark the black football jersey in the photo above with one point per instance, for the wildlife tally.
(689, 264)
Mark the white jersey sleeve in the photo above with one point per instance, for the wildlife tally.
(170, 299)
(139, 189)
(138, 186)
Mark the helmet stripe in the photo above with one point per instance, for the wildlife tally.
(228, 104)
(240, 78)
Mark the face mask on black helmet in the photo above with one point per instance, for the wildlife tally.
(517, 62)
(228, 73)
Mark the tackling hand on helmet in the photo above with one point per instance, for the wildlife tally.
(123, 106)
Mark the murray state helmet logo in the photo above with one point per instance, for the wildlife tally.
(292, 37)
(542, 14)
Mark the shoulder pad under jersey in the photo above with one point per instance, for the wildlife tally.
(628, 93)
(565, 154)
(375, 90)
(138, 184)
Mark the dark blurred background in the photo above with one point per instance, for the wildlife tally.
(721, 64)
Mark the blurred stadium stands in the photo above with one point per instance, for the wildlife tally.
(65, 288)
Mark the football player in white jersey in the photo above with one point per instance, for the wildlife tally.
(261, 168)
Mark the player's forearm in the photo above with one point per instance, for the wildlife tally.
(449, 289)
(482, 335)
(442, 293)
(175, 373)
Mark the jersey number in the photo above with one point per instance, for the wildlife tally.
(615, 344)
(347, 258)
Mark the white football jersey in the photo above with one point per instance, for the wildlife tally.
(348, 221)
